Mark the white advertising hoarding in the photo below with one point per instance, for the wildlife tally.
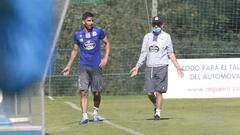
(205, 78)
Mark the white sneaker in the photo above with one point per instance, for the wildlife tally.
(95, 118)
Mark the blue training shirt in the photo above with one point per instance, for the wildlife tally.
(90, 46)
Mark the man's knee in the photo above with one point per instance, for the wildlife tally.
(97, 94)
(150, 94)
(84, 93)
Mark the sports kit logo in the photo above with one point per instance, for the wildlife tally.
(89, 45)
(153, 48)
(94, 33)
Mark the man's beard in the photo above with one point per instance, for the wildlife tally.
(88, 28)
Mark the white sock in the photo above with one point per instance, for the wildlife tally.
(158, 111)
(95, 110)
(85, 116)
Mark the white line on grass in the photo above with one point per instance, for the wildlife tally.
(51, 98)
(129, 130)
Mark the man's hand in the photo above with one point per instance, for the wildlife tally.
(66, 71)
(134, 71)
(103, 63)
(180, 72)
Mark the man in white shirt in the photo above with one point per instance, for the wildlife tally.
(156, 49)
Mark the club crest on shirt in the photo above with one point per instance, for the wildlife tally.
(153, 48)
(94, 33)
(89, 45)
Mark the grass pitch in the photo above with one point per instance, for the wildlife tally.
(133, 115)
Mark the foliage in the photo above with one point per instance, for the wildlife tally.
(199, 29)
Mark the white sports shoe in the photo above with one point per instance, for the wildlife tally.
(95, 118)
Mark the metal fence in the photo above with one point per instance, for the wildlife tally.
(199, 29)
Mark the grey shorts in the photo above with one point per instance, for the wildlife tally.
(156, 79)
(90, 78)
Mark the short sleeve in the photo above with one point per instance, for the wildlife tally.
(102, 34)
(75, 39)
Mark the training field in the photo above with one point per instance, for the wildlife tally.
(132, 115)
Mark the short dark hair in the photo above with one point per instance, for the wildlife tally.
(86, 15)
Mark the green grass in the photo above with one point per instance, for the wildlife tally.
(179, 117)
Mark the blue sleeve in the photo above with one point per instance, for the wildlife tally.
(75, 38)
(102, 34)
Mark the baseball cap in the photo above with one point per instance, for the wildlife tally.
(156, 20)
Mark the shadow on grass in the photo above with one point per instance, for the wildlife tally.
(77, 122)
(160, 119)
(98, 121)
